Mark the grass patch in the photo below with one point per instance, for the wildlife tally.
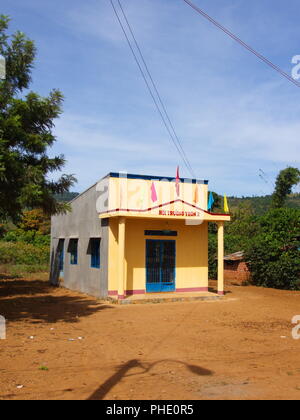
(17, 259)
(20, 270)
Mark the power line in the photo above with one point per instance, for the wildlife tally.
(182, 155)
(265, 178)
(150, 90)
(242, 43)
(155, 88)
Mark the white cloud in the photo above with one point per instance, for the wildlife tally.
(260, 125)
(98, 19)
(86, 133)
(232, 113)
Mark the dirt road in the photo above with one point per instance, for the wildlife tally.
(64, 345)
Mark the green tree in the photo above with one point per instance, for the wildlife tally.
(35, 220)
(26, 134)
(217, 206)
(274, 253)
(285, 181)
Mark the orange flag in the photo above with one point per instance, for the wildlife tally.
(196, 194)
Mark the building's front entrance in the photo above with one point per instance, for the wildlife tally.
(160, 265)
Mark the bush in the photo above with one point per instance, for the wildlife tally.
(2, 230)
(23, 254)
(273, 255)
(25, 249)
(28, 237)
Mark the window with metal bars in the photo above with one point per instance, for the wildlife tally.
(73, 247)
(95, 252)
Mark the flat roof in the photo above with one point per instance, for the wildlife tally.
(143, 177)
(154, 178)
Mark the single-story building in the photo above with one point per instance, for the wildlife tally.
(133, 234)
(236, 270)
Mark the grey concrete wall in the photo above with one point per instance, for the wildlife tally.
(82, 223)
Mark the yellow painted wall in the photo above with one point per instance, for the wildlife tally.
(191, 252)
(136, 194)
(113, 254)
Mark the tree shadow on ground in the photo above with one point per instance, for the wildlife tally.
(123, 371)
(38, 302)
(8, 277)
(12, 286)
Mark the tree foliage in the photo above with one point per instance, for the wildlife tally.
(273, 254)
(35, 220)
(285, 181)
(243, 226)
(26, 134)
(262, 204)
(269, 237)
(33, 228)
(24, 256)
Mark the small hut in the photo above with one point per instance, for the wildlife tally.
(236, 270)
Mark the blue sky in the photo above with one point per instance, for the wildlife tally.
(233, 114)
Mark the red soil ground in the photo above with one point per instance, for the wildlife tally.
(237, 348)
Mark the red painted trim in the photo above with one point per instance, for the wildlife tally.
(221, 293)
(143, 292)
(135, 292)
(162, 205)
(127, 292)
(192, 289)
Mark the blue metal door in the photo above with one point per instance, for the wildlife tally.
(160, 265)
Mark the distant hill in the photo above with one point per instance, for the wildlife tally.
(262, 204)
(66, 197)
(259, 204)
